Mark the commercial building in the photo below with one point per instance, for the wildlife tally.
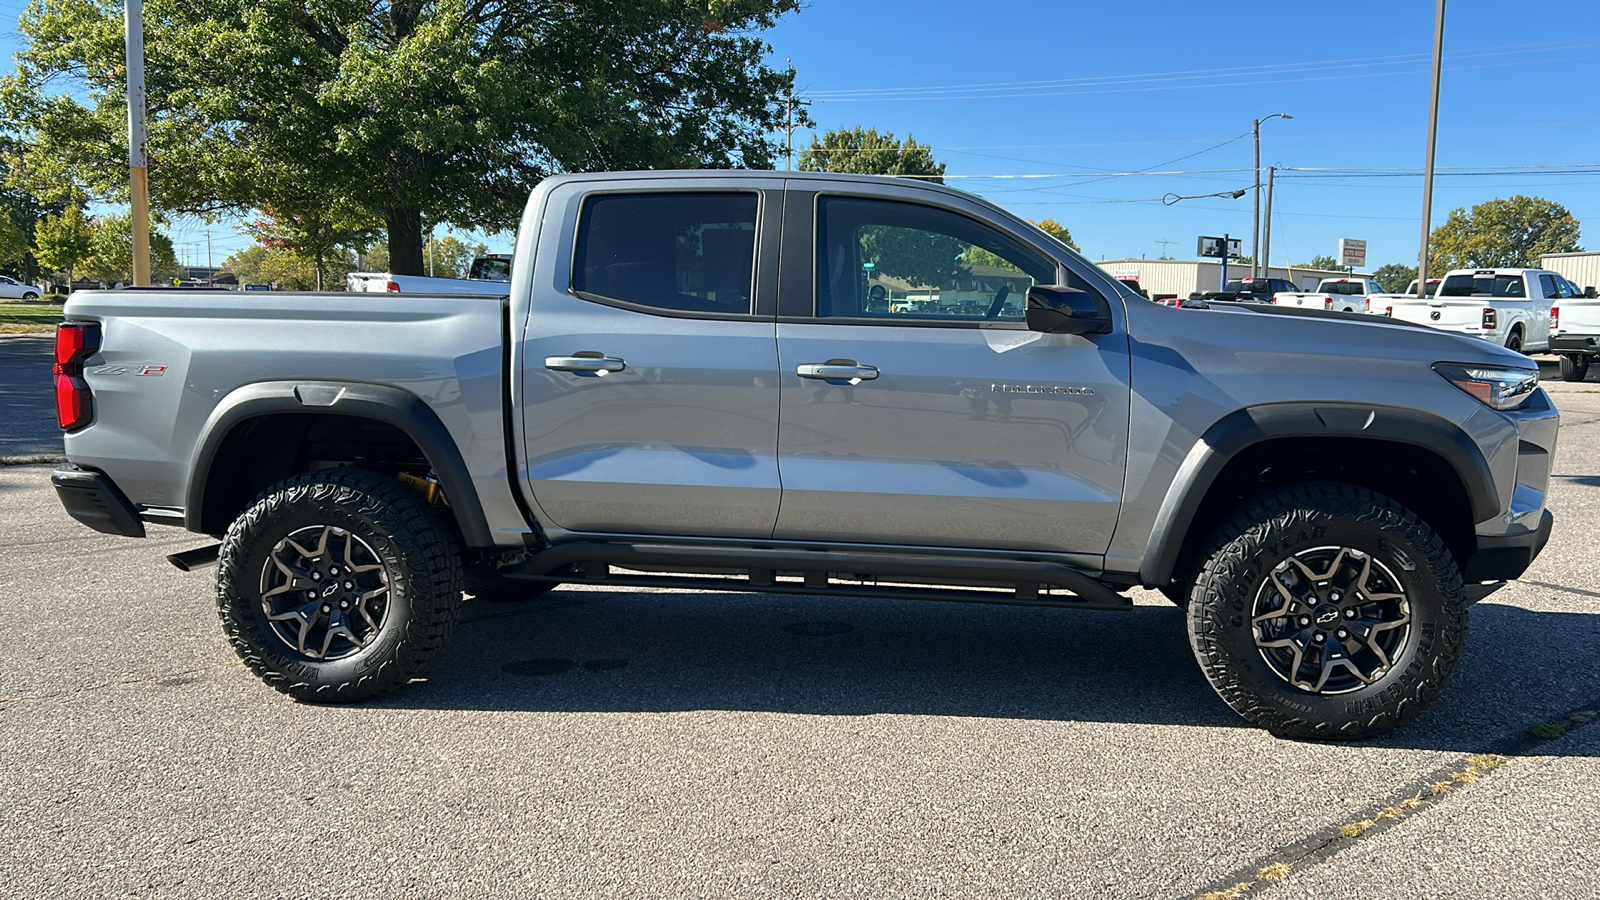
(1581, 268)
(1161, 278)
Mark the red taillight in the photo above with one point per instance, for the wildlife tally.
(74, 402)
(1388, 311)
(1555, 318)
(1327, 303)
(390, 287)
(1490, 320)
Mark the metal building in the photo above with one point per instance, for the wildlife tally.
(1161, 278)
(1581, 268)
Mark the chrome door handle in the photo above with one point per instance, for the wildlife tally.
(837, 370)
(590, 362)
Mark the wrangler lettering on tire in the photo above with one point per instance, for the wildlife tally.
(1352, 615)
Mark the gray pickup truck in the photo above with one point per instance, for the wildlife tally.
(815, 384)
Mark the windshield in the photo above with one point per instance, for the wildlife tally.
(1485, 284)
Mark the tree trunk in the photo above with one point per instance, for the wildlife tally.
(405, 240)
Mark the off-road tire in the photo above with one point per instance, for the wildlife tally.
(1574, 367)
(1272, 527)
(421, 563)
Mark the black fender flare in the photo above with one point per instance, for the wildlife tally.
(383, 403)
(1244, 428)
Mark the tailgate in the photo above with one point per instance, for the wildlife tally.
(1465, 314)
(1306, 301)
(1579, 316)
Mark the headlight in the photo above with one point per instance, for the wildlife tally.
(1500, 387)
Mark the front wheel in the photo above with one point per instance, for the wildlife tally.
(338, 585)
(1327, 611)
(1574, 367)
(30, 297)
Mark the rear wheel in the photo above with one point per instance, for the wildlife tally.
(1574, 367)
(1514, 342)
(30, 295)
(338, 585)
(1327, 611)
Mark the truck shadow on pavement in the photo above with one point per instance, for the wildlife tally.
(589, 651)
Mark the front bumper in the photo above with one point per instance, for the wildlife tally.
(94, 499)
(1575, 343)
(1504, 557)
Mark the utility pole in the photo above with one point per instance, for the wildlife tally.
(1255, 224)
(1266, 241)
(1433, 139)
(138, 161)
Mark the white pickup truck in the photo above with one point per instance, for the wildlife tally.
(489, 274)
(1510, 307)
(1575, 329)
(1339, 294)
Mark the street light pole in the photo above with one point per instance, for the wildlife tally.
(138, 163)
(1255, 225)
(1433, 135)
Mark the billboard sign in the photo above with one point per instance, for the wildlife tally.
(1352, 253)
(1212, 247)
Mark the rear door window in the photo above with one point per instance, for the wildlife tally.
(668, 252)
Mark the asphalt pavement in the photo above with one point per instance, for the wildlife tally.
(604, 743)
(27, 406)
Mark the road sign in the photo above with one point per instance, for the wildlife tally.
(1212, 247)
(1352, 253)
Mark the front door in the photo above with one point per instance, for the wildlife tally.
(916, 406)
(650, 398)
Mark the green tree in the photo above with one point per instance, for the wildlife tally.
(111, 252)
(1511, 233)
(442, 111)
(1321, 261)
(1058, 231)
(319, 236)
(1395, 277)
(865, 152)
(63, 241)
(287, 269)
(449, 257)
(14, 243)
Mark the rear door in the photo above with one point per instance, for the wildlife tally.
(650, 395)
(917, 408)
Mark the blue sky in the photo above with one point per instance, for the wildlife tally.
(1120, 87)
(1074, 90)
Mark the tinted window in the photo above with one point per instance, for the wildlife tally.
(1343, 287)
(878, 258)
(672, 252)
(490, 268)
(1484, 284)
(1547, 286)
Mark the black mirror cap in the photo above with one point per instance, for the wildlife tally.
(1589, 293)
(1056, 309)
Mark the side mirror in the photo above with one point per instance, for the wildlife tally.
(1063, 310)
(1589, 293)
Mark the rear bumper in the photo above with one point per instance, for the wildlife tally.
(1575, 343)
(93, 499)
(1504, 557)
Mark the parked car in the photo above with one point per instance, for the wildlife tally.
(489, 274)
(1340, 294)
(671, 402)
(1509, 307)
(1250, 290)
(1575, 329)
(12, 289)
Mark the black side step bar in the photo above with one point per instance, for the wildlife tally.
(769, 568)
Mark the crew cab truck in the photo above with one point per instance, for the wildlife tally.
(696, 380)
(1509, 307)
(1575, 329)
(1340, 294)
